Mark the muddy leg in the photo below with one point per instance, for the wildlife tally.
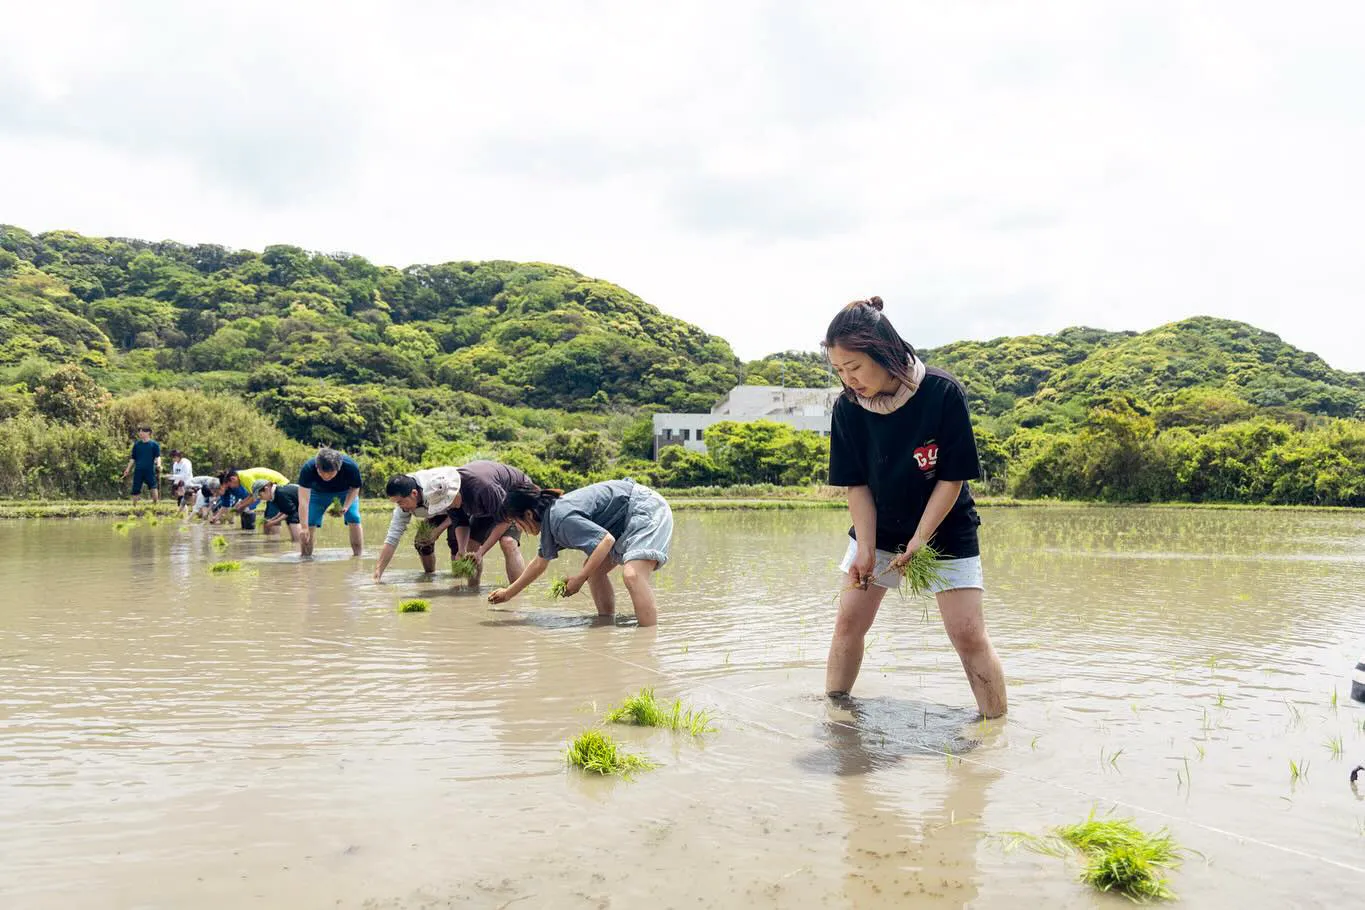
(965, 621)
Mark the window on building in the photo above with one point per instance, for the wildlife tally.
(699, 435)
(687, 435)
(668, 433)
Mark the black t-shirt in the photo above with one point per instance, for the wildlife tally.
(286, 499)
(902, 455)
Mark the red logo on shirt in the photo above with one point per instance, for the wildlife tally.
(926, 456)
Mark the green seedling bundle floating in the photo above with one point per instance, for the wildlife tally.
(559, 588)
(1119, 856)
(415, 605)
(123, 527)
(464, 567)
(219, 542)
(222, 568)
(644, 710)
(597, 753)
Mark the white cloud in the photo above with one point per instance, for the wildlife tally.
(987, 168)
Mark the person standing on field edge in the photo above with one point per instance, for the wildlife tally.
(901, 441)
(323, 480)
(145, 464)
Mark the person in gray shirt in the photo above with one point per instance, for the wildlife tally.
(616, 522)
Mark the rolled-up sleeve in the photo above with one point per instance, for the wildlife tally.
(397, 525)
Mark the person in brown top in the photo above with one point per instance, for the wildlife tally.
(476, 527)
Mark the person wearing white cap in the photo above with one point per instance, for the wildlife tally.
(429, 494)
(205, 487)
(281, 505)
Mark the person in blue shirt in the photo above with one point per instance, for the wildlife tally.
(145, 465)
(323, 480)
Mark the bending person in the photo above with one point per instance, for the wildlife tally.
(182, 477)
(617, 522)
(428, 494)
(205, 488)
(323, 480)
(902, 443)
(281, 505)
(236, 495)
(477, 519)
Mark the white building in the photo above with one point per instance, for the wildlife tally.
(803, 409)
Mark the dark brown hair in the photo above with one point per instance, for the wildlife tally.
(861, 327)
(535, 500)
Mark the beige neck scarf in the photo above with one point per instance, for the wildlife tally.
(887, 403)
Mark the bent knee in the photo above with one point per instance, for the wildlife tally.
(853, 623)
(969, 639)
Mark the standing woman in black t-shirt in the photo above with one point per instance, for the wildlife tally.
(902, 444)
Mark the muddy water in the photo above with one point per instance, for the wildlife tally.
(283, 738)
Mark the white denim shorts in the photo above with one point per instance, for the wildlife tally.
(957, 573)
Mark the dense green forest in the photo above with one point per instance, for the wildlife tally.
(254, 358)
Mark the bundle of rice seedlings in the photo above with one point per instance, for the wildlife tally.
(123, 527)
(219, 568)
(644, 710)
(595, 751)
(918, 575)
(464, 567)
(559, 588)
(921, 573)
(219, 542)
(1128, 871)
(1119, 856)
(415, 605)
(422, 532)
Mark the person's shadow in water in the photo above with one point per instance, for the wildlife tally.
(863, 734)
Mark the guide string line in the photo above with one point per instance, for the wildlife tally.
(1049, 782)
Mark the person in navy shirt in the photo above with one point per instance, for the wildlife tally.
(324, 479)
(145, 464)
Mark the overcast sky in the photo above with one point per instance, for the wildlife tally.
(988, 168)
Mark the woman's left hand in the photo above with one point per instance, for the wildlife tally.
(500, 596)
(903, 558)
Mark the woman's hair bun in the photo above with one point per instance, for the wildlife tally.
(875, 303)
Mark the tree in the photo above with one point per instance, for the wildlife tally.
(584, 452)
(764, 451)
(69, 395)
(682, 467)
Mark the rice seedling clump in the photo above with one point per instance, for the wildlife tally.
(220, 568)
(1129, 871)
(921, 573)
(644, 710)
(597, 753)
(559, 588)
(464, 567)
(415, 605)
(219, 542)
(1119, 856)
(123, 527)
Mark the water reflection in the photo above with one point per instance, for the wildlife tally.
(179, 738)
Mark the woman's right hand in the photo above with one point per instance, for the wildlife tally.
(864, 561)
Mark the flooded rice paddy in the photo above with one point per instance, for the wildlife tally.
(282, 737)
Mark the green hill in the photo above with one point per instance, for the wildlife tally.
(515, 333)
(1157, 367)
(237, 355)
